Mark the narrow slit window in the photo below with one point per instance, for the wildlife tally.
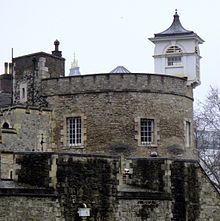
(23, 93)
(188, 133)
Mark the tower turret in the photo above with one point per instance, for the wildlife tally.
(177, 52)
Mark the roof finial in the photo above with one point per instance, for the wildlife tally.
(175, 11)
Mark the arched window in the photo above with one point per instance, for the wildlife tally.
(5, 125)
(174, 56)
(173, 49)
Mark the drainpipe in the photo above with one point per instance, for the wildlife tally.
(34, 60)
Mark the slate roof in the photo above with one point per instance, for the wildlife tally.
(176, 30)
(120, 69)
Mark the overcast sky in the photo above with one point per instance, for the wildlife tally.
(108, 33)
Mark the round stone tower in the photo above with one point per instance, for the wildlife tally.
(133, 114)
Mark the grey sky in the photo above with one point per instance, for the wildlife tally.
(108, 33)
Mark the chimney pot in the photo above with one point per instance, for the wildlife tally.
(56, 52)
(6, 67)
(10, 68)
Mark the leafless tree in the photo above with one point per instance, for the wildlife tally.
(207, 134)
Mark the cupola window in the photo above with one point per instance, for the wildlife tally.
(174, 57)
(173, 49)
(174, 61)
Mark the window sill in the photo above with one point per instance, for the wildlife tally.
(73, 147)
(9, 131)
(174, 66)
(148, 145)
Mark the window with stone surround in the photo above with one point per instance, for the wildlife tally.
(146, 131)
(188, 134)
(23, 92)
(74, 131)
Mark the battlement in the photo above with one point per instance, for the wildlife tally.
(116, 82)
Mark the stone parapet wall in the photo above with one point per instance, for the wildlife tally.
(98, 83)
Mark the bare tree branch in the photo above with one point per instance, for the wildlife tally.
(207, 135)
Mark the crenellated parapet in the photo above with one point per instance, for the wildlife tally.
(116, 82)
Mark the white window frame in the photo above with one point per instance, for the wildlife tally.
(173, 49)
(147, 131)
(74, 131)
(174, 56)
(174, 61)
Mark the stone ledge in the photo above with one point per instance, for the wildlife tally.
(146, 196)
(66, 153)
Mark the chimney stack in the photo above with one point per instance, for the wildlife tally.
(6, 67)
(10, 68)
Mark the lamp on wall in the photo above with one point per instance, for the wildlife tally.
(84, 212)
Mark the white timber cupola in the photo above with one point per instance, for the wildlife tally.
(177, 52)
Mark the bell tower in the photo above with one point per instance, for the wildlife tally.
(177, 52)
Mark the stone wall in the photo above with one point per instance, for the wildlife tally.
(24, 63)
(7, 165)
(111, 106)
(29, 129)
(14, 208)
(114, 188)
(29, 70)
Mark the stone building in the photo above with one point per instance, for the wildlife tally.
(119, 145)
(6, 85)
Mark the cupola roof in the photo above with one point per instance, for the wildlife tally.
(176, 30)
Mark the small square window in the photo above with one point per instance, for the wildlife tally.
(174, 61)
